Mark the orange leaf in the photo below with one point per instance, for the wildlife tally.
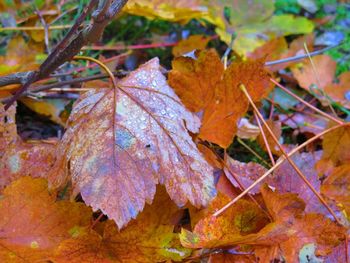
(229, 103)
(32, 224)
(23, 159)
(194, 80)
(194, 42)
(291, 230)
(336, 146)
(149, 238)
(337, 187)
(121, 143)
(339, 92)
(325, 70)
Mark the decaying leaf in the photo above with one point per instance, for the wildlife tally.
(337, 187)
(23, 159)
(121, 143)
(148, 238)
(286, 179)
(290, 230)
(32, 224)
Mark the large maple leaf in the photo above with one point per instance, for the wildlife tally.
(121, 143)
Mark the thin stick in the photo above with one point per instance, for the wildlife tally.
(278, 164)
(265, 140)
(299, 57)
(296, 168)
(330, 117)
(318, 80)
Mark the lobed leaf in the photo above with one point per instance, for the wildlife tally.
(121, 143)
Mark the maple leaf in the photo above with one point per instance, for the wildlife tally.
(219, 124)
(121, 143)
(202, 84)
(32, 224)
(291, 229)
(148, 238)
(194, 80)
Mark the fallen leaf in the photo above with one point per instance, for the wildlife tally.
(148, 238)
(195, 80)
(247, 173)
(270, 51)
(290, 230)
(32, 223)
(121, 143)
(339, 92)
(286, 179)
(336, 146)
(319, 77)
(255, 34)
(247, 130)
(174, 11)
(194, 42)
(219, 124)
(51, 108)
(337, 187)
(23, 159)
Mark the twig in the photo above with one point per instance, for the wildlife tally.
(75, 40)
(296, 168)
(265, 140)
(299, 57)
(306, 103)
(278, 164)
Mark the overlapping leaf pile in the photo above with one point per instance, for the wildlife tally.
(143, 170)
